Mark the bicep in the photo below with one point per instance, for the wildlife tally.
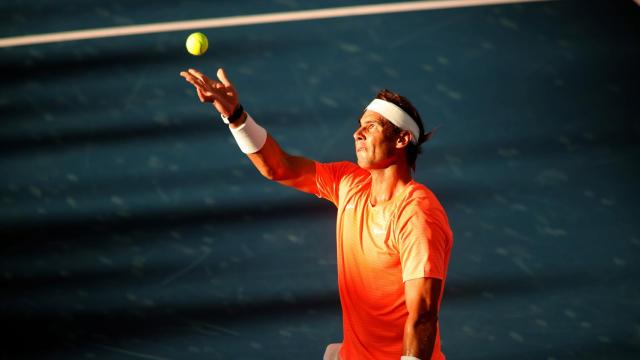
(422, 295)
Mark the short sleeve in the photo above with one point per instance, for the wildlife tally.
(329, 177)
(422, 242)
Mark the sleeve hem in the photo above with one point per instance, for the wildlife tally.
(413, 277)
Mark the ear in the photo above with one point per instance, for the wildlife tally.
(403, 139)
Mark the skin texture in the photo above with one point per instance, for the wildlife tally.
(383, 156)
(420, 329)
(380, 152)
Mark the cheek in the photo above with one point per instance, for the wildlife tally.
(382, 144)
(380, 149)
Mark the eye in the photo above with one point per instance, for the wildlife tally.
(371, 126)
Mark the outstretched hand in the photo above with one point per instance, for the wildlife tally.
(220, 93)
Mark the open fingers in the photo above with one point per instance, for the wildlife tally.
(205, 93)
(202, 77)
(211, 91)
(223, 77)
(201, 95)
(199, 83)
(196, 84)
(192, 79)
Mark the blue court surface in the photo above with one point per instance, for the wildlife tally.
(132, 227)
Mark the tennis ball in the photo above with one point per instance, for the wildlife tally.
(197, 43)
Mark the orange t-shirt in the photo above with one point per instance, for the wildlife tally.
(379, 248)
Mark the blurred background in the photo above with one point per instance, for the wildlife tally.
(132, 227)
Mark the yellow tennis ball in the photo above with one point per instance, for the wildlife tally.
(197, 43)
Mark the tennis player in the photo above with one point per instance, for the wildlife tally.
(392, 234)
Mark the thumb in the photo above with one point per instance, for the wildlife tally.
(223, 77)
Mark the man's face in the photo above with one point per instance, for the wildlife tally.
(375, 147)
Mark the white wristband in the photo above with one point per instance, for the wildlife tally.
(249, 136)
(408, 358)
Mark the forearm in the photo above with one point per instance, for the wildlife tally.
(263, 151)
(420, 336)
(269, 160)
(274, 163)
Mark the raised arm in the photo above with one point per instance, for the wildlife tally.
(270, 160)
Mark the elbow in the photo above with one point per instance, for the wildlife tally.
(276, 171)
(424, 317)
(269, 174)
(266, 169)
(273, 174)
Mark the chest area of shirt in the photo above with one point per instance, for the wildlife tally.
(368, 230)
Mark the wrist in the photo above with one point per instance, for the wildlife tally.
(250, 136)
(235, 115)
(239, 122)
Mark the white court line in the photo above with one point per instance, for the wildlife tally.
(249, 20)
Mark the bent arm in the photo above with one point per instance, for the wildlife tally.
(272, 162)
(421, 328)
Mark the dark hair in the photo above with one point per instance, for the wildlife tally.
(412, 149)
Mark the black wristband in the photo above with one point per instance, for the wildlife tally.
(236, 115)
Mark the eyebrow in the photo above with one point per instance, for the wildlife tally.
(368, 121)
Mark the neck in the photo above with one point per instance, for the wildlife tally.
(388, 182)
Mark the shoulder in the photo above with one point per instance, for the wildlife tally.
(342, 170)
(419, 201)
(420, 212)
(419, 196)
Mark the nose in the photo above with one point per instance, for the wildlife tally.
(358, 135)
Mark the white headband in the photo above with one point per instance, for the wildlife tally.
(397, 116)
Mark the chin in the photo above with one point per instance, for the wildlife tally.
(366, 165)
(363, 163)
